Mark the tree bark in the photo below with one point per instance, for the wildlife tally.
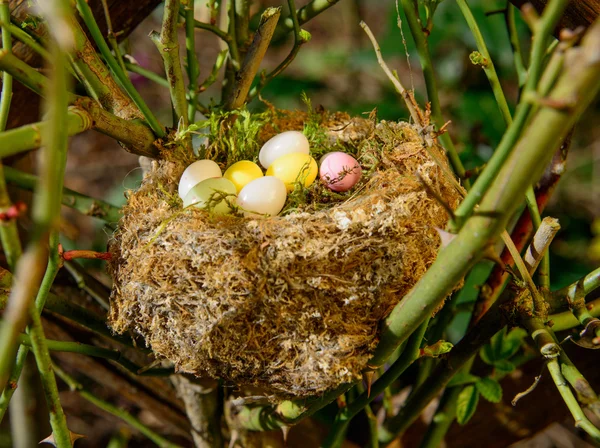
(125, 16)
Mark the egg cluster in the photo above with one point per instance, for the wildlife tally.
(287, 161)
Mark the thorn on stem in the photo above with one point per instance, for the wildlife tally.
(368, 377)
(13, 212)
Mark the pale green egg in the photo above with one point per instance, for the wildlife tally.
(212, 195)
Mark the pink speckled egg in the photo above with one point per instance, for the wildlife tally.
(339, 171)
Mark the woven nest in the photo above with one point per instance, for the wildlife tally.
(290, 304)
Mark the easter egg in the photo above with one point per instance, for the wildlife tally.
(339, 171)
(210, 194)
(196, 173)
(285, 143)
(295, 167)
(265, 195)
(243, 172)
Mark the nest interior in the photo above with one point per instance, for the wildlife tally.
(289, 304)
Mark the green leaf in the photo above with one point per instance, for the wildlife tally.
(487, 354)
(512, 342)
(490, 389)
(504, 366)
(460, 379)
(466, 404)
(437, 349)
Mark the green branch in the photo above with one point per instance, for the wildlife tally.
(256, 52)
(524, 166)
(25, 38)
(112, 37)
(148, 74)
(485, 60)
(550, 18)
(304, 14)
(9, 234)
(300, 37)
(168, 46)
(86, 205)
(114, 410)
(515, 44)
(97, 352)
(566, 320)
(193, 69)
(335, 438)
(29, 136)
(459, 357)
(88, 18)
(97, 79)
(416, 30)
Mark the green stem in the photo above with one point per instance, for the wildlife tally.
(566, 320)
(88, 17)
(25, 38)
(111, 36)
(515, 43)
(29, 137)
(97, 352)
(168, 46)
(460, 357)
(304, 14)
(242, 24)
(88, 284)
(9, 234)
(442, 420)
(580, 288)
(335, 438)
(581, 421)
(114, 410)
(416, 30)
(30, 78)
(225, 37)
(300, 38)
(58, 421)
(96, 78)
(254, 56)
(487, 63)
(193, 69)
(550, 18)
(148, 74)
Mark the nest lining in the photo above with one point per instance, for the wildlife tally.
(289, 304)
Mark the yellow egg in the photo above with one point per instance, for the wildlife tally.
(242, 173)
(292, 168)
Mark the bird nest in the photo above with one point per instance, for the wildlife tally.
(291, 303)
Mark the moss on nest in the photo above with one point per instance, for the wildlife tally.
(290, 304)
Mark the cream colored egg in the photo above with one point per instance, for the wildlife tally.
(196, 173)
(264, 196)
(242, 173)
(212, 194)
(285, 143)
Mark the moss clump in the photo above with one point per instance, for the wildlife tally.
(290, 304)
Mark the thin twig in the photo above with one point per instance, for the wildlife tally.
(550, 18)
(304, 14)
(114, 410)
(411, 11)
(88, 18)
(254, 56)
(412, 107)
(193, 69)
(112, 37)
(168, 46)
(486, 62)
(300, 37)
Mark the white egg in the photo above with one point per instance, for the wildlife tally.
(265, 196)
(196, 173)
(282, 144)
